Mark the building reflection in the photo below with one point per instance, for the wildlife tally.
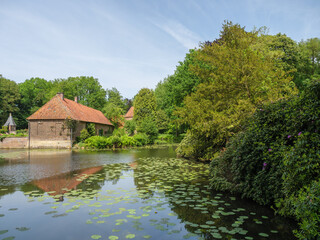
(60, 184)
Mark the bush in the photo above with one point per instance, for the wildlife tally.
(91, 129)
(165, 138)
(97, 142)
(149, 127)
(4, 130)
(127, 141)
(277, 158)
(84, 135)
(307, 210)
(141, 139)
(130, 127)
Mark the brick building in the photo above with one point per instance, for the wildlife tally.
(60, 121)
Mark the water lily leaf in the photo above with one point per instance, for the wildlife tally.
(113, 237)
(9, 238)
(51, 212)
(274, 231)
(96, 236)
(130, 236)
(3, 231)
(263, 235)
(22, 229)
(147, 236)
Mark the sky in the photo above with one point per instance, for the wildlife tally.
(130, 44)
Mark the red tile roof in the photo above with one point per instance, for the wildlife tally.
(58, 108)
(129, 114)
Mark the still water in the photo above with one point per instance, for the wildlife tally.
(129, 194)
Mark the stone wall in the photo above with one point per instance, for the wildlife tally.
(14, 142)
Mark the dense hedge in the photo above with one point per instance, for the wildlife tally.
(277, 160)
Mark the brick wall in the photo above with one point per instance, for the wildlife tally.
(54, 133)
(48, 130)
(17, 142)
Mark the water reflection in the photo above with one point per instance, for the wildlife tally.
(123, 194)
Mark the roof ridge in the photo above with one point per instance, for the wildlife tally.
(66, 108)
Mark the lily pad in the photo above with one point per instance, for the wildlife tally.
(263, 235)
(9, 238)
(96, 236)
(22, 229)
(130, 236)
(113, 237)
(3, 231)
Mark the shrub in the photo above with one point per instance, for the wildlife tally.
(91, 129)
(97, 142)
(84, 135)
(165, 138)
(4, 130)
(149, 127)
(277, 158)
(130, 127)
(127, 141)
(141, 139)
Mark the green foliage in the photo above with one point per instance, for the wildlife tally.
(35, 92)
(141, 139)
(4, 129)
(84, 135)
(277, 158)
(9, 98)
(234, 80)
(144, 105)
(172, 90)
(128, 141)
(98, 142)
(114, 97)
(130, 127)
(91, 129)
(114, 114)
(168, 138)
(307, 210)
(149, 127)
(87, 89)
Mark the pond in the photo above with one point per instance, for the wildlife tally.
(128, 194)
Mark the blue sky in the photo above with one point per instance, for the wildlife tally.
(130, 44)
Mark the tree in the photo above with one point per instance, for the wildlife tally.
(311, 50)
(87, 89)
(144, 105)
(114, 113)
(114, 97)
(9, 98)
(35, 92)
(173, 89)
(234, 80)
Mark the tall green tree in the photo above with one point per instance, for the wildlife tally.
(171, 92)
(87, 89)
(144, 105)
(114, 97)
(9, 98)
(310, 49)
(35, 92)
(234, 79)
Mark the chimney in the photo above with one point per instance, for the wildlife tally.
(60, 95)
(76, 99)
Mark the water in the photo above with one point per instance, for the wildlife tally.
(129, 194)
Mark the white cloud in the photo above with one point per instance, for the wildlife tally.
(180, 33)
